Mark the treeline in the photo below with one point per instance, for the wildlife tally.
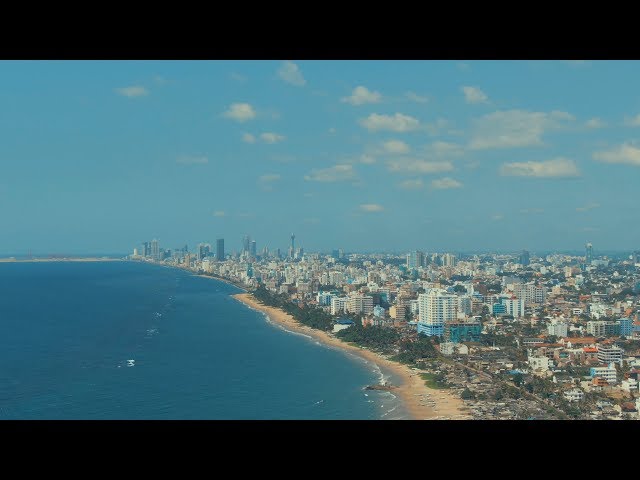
(312, 316)
(373, 337)
(412, 350)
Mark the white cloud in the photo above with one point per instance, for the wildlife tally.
(414, 97)
(588, 207)
(238, 77)
(625, 153)
(515, 128)
(416, 165)
(497, 217)
(435, 128)
(595, 122)
(463, 66)
(290, 73)
(445, 183)
(332, 131)
(240, 112)
(394, 123)
(192, 159)
(474, 95)
(396, 146)
(270, 137)
(133, 91)
(219, 213)
(362, 95)
(312, 220)
(248, 138)
(412, 184)
(371, 207)
(556, 167)
(270, 177)
(444, 149)
(367, 159)
(632, 121)
(532, 210)
(337, 173)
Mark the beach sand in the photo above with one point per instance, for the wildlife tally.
(421, 402)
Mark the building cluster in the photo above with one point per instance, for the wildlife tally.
(567, 324)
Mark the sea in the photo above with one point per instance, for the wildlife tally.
(132, 340)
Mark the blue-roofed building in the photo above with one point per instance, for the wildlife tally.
(626, 326)
(458, 332)
(342, 323)
(378, 311)
(498, 309)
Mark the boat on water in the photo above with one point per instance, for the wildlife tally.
(131, 363)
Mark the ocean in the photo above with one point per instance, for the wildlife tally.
(68, 333)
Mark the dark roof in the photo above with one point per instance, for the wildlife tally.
(345, 321)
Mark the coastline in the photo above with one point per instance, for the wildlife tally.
(71, 259)
(222, 280)
(422, 402)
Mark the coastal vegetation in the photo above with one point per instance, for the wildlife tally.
(311, 316)
(374, 337)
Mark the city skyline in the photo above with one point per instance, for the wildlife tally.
(362, 156)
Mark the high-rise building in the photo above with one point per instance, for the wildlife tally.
(524, 258)
(246, 244)
(589, 256)
(415, 259)
(253, 249)
(155, 249)
(292, 247)
(434, 309)
(220, 249)
(335, 254)
(359, 303)
(204, 249)
(340, 253)
(449, 260)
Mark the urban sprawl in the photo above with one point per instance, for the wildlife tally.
(516, 336)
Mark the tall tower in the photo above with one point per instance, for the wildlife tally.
(292, 248)
(246, 241)
(589, 255)
(155, 249)
(253, 249)
(220, 249)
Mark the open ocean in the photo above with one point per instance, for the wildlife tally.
(67, 331)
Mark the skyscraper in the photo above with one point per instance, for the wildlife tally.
(155, 249)
(292, 248)
(146, 251)
(589, 255)
(204, 249)
(246, 241)
(524, 258)
(434, 309)
(415, 259)
(220, 249)
(253, 248)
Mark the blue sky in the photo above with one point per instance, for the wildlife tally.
(362, 155)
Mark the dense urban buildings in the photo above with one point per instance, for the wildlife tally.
(560, 329)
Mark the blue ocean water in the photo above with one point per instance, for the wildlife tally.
(67, 331)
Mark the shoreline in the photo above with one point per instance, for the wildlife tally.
(229, 282)
(420, 401)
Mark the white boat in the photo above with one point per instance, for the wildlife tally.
(130, 363)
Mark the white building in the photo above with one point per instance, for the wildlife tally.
(540, 363)
(434, 309)
(610, 354)
(629, 385)
(530, 293)
(338, 305)
(608, 373)
(574, 395)
(514, 307)
(558, 327)
(359, 303)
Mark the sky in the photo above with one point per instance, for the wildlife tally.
(99, 156)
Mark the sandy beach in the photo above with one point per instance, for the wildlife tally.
(220, 279)
(421, 402)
